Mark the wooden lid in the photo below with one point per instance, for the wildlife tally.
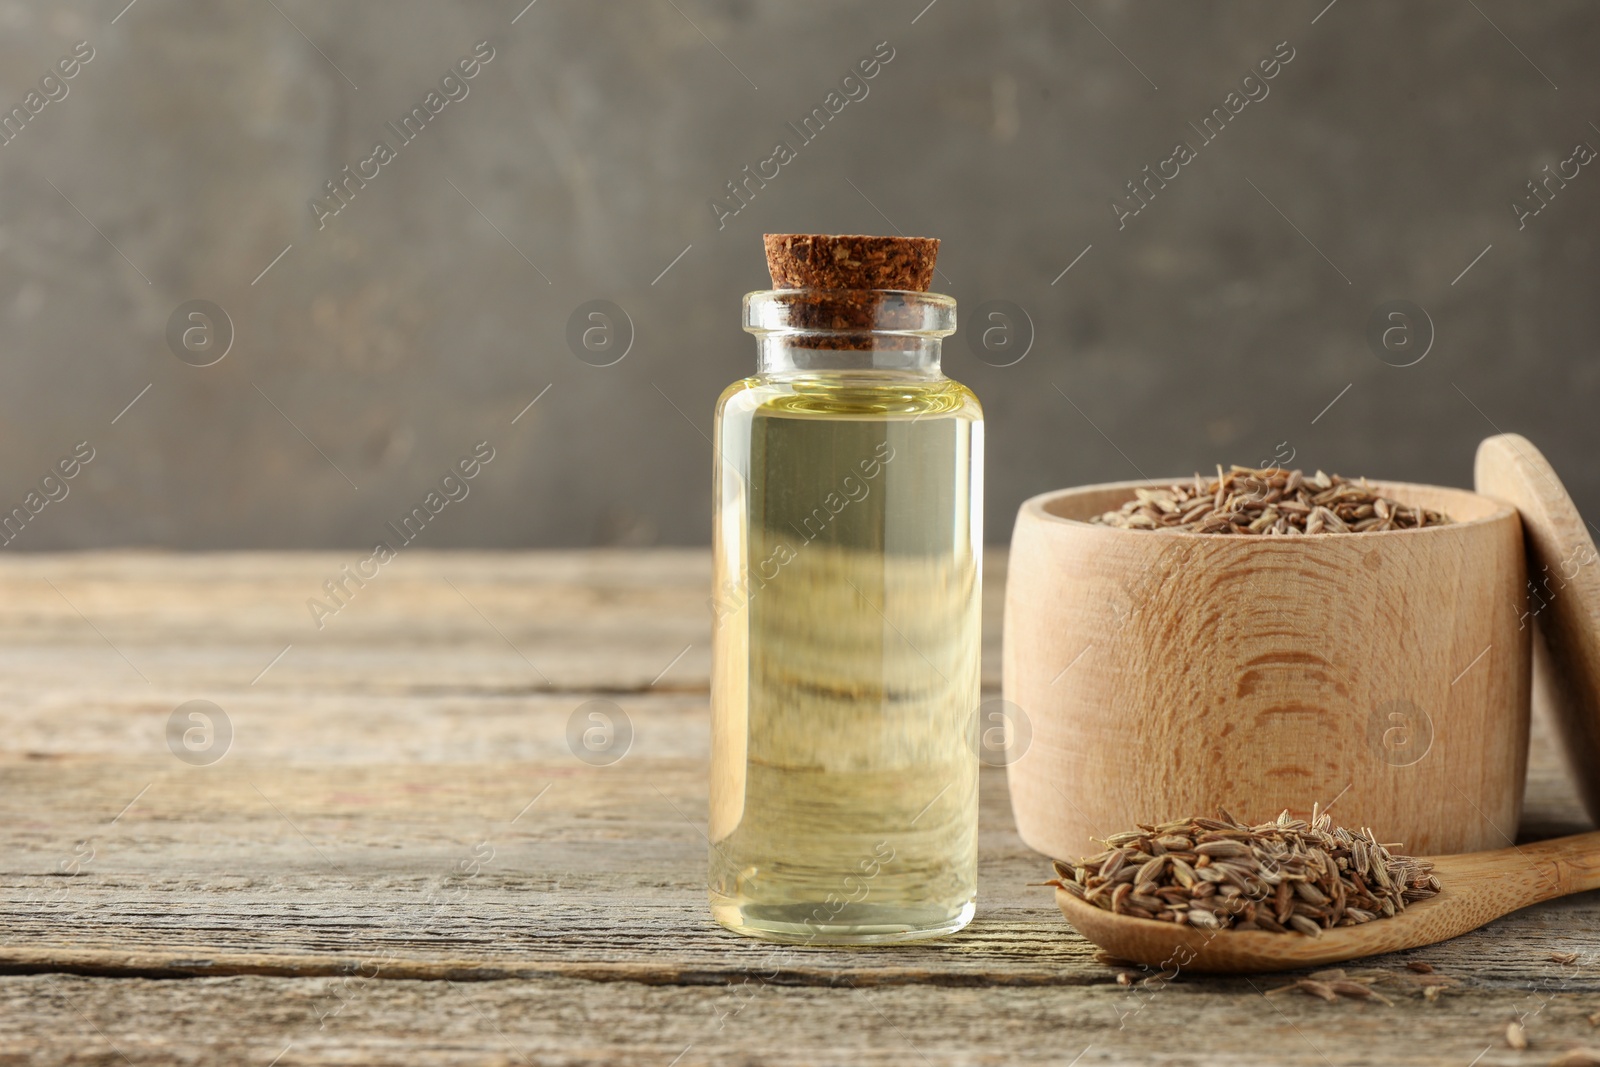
(1563, 594)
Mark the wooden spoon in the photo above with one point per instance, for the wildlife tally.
(1477, 887)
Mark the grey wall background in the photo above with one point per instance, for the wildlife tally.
(425, 316)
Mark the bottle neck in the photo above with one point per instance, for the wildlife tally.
(870, 333)
(778, 355)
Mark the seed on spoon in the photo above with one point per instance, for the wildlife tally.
(1219, 874)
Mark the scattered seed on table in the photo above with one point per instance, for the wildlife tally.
(1578, 1057)
(1313, 988)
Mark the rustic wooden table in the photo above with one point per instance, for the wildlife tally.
(400, 860)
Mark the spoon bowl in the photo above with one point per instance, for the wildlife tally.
(1477, 887)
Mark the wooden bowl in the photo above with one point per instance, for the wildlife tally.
(1164, 674)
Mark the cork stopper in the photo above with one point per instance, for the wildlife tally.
(843, 276)
(850, 261)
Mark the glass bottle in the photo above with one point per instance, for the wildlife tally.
(845, 657)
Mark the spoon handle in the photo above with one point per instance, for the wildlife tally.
(1572, 863)
(1541, 870)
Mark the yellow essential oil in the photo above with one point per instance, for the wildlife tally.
(844, 789)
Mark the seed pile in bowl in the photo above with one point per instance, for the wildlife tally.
(1219, 874)
(1268, 500)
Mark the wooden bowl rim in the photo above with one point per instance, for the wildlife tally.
(1037, 508)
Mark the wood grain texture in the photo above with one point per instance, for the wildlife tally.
(327, 884)
(599, 620)
(56, 1019)
(1564, 588)
(1384, 669)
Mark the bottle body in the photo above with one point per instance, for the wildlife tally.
(846, 649)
